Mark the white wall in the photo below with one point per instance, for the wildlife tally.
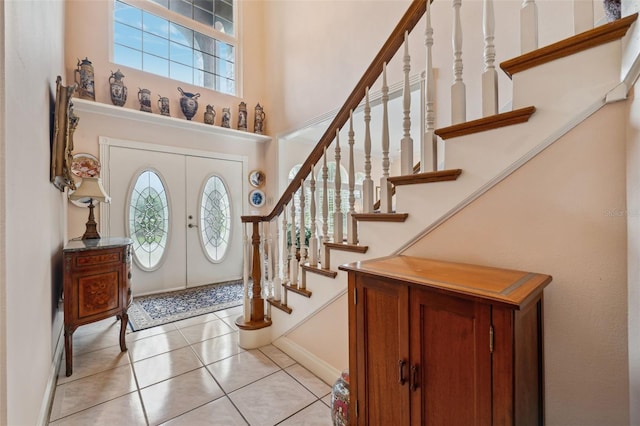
(34, 211)
(563, 214)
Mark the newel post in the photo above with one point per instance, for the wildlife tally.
(257, 302)
(256, 315)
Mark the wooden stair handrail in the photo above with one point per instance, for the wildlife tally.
(416, 10)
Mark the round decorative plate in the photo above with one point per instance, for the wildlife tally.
(85, 165)
(256, 178)
(257, 198)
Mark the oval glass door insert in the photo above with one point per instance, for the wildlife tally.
(148, 219)
(215, 218)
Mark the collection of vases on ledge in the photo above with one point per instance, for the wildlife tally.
(84, 77)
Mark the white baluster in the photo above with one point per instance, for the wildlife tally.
(324, 253)
(337, 204)
(293, 260)
(285, 249)
(264, 284)
(352, 227)
(528, 26)
(277, 282)
(245, 273)
(269, 253)
(582, 15)
(313, 239)
(303, 235)
(406, 145)
(458, 90)
(385, 186)
(489, 76)
(429, 150)
(285, 256)
(367, 183)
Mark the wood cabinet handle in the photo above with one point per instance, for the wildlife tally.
(414, 377)
(401, 365)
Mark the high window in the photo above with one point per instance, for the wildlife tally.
(192, 41)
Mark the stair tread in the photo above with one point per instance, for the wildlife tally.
(487, 123)
(318, 270)
(347, 247)
(577, 43)
(278, 305)
(427, 177)
(301, 291)
(381, 217)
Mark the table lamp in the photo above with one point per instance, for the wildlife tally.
(90, 189)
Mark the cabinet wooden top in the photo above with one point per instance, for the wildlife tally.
(514, 288)
(98, 243)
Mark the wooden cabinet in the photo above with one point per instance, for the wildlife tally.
(441, 343)
(97, 285)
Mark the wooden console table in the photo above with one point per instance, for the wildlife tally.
(97, 285)
(434, 342)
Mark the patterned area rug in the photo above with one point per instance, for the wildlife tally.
(163, 308)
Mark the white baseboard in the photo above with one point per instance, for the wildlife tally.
(317, 366)
(47, 400)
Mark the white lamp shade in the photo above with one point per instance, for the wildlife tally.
(91, 188)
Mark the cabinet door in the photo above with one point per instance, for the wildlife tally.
(450, 360)
(381, 344)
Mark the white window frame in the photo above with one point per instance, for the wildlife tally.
(156, 9)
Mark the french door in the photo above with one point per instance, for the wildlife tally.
(183, 212)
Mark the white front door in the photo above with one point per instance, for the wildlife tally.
(195, 240)
(214, 231)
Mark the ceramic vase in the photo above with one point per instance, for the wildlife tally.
(209, 115)
(84, 78)
(163, 105)
(258, 121)
(188, 103)
(340, 400)
(226, 118)
(117, 89)
(612, 10)
(144, 97)
(242, 116)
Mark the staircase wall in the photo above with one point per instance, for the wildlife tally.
(563, 213)
(633, 254)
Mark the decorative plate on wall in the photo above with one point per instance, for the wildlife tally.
(85, 165)
(257, 198)
(256, 178)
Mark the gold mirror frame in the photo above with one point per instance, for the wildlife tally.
(64, 124)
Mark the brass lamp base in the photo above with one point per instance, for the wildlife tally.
(91, 232)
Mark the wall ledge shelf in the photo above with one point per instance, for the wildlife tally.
(84, 105)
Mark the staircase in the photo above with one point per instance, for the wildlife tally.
(300, 305)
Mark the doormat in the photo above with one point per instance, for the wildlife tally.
(163, 308)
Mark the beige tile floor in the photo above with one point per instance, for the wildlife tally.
(190, 372)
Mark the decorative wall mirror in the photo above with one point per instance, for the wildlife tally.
(64, 124)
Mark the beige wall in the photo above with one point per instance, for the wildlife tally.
(563, 214)
(633, 254)
(34, 210)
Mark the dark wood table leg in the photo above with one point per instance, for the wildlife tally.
(68, 349)
(124, 318)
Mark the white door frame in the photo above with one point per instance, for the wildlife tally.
(107, 142)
